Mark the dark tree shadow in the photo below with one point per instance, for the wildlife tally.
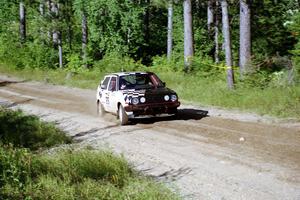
(174, 174)
(170, 175)
(183, 114)
(5, 83)
(7, 104)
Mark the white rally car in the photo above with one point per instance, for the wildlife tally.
(133, 94)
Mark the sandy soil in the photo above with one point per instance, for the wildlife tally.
(222, 155)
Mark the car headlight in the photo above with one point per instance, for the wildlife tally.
(134, 100)
(142, 99)
(173, 97)
(166, 97)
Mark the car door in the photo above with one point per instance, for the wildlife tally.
(103, 93)
(112, 95)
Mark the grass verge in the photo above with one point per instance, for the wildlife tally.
(68, 175)
(28, 131)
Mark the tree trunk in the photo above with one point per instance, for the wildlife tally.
(49, 32)
(84, 38)
(22, 22)
(41, 8)
(188, 35)
(245, 35)
(56, 34)
(60, 51)
(210, 15)
(147, 58)
(170, 30)
(217, 60)
(54, 12)
(227, 43)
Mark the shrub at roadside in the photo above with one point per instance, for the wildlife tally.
(71, 175)
(28, 131)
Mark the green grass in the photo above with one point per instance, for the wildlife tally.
(68, 175)
(195, 89)
(28, 131)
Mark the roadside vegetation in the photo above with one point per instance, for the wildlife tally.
(35, 173)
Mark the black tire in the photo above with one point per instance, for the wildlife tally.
(100, 109)
(122, 115)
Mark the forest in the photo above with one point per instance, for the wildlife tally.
(230, 53)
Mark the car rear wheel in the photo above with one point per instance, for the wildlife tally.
(122, 115)
(100, 109)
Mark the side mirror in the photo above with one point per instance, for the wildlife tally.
(102, 87)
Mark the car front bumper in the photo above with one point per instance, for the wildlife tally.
(153, 108)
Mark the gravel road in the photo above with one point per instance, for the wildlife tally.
(222, 155)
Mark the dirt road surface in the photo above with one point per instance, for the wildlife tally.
(222, 155)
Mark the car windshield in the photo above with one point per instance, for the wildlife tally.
(139, 81)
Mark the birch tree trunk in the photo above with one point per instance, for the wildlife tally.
(56, 35)
(22, 22)
(217, 60)
(170, 30)
(227, 43)
(54, 12)
(84, 38)
(188, 35)
(60, 50)
(41, 8)
(210, 15)
(49, 32)
(245, 35)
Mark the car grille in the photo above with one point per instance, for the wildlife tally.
(155, 99)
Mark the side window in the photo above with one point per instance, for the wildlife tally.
(112, 84)
(105, 83)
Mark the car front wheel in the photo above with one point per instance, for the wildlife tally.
(100, 109)
(122, 115)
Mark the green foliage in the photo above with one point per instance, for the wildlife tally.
(136, 29)
(116, 30)
(115, 63)
(269, 18)
(15, 170)
(294, 26)
(201, 67)
(71, 175)
(33, 55)
(28, 131)
(100, 166)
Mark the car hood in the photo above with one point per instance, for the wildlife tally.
(148, 92)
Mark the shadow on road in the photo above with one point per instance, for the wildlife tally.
(5, 83)
(183, 114)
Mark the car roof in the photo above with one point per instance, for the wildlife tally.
(126, 73)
